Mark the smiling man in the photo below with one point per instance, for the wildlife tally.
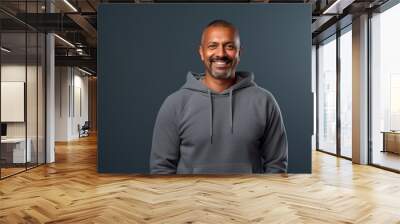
(219, 121)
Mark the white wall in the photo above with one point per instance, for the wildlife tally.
(71, 102)
(81, 104)
(16, 72)
(62, 81)
(33, 127)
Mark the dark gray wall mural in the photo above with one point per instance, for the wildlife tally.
(146, 50)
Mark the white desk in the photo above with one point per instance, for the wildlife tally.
(18, 144)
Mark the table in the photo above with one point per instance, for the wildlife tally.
(13, 150)
(391, 141)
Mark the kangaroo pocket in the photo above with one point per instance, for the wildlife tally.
(224, 168)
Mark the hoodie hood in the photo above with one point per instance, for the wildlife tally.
(194, 83)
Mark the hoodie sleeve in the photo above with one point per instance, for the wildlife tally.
(274, 146)
(164, 155)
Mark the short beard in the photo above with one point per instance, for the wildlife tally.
(216, 75)
(227, 75)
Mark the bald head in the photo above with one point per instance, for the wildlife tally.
(223, 24)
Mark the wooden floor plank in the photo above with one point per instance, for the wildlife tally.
(71, 191)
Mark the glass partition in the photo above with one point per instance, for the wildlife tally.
(346, 93)
(31, 100)
(327, 95)
(385, 89)
(14, 153)
(22, 62)
(41, 91)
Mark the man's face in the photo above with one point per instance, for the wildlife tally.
(220, 51)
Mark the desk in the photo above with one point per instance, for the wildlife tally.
(391, 141)
(15, 148)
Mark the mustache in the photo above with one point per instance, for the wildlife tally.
(217, 58)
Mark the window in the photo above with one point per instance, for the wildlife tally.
(346, 92)
(327, 95)
(385, 88)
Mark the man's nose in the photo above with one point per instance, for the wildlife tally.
(220, 51)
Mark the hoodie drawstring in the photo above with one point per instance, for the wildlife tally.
(194, 83)
(211, 112)
(211, 115)
(231, 110)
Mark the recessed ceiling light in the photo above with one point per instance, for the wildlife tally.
(337, 6)
(70, 5)
(5, 50)
(65, 41)
(84, 71)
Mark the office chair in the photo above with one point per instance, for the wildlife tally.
(84, 130)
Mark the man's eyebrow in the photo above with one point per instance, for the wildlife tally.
(227, 42)
(230, 42)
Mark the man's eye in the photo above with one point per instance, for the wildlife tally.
(212, 46)
(230, 47)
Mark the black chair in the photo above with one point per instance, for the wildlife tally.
(84, 130)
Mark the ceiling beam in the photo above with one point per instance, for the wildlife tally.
(337, 6)
(87, 27)
(83, 61)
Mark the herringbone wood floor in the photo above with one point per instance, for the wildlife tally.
(71, 191)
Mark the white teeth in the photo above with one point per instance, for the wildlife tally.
(220, 63)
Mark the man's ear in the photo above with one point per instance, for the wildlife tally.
(201, 52)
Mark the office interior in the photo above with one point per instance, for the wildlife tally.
(46, 82)
(49, 74)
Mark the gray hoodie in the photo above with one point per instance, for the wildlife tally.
(239, 130)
